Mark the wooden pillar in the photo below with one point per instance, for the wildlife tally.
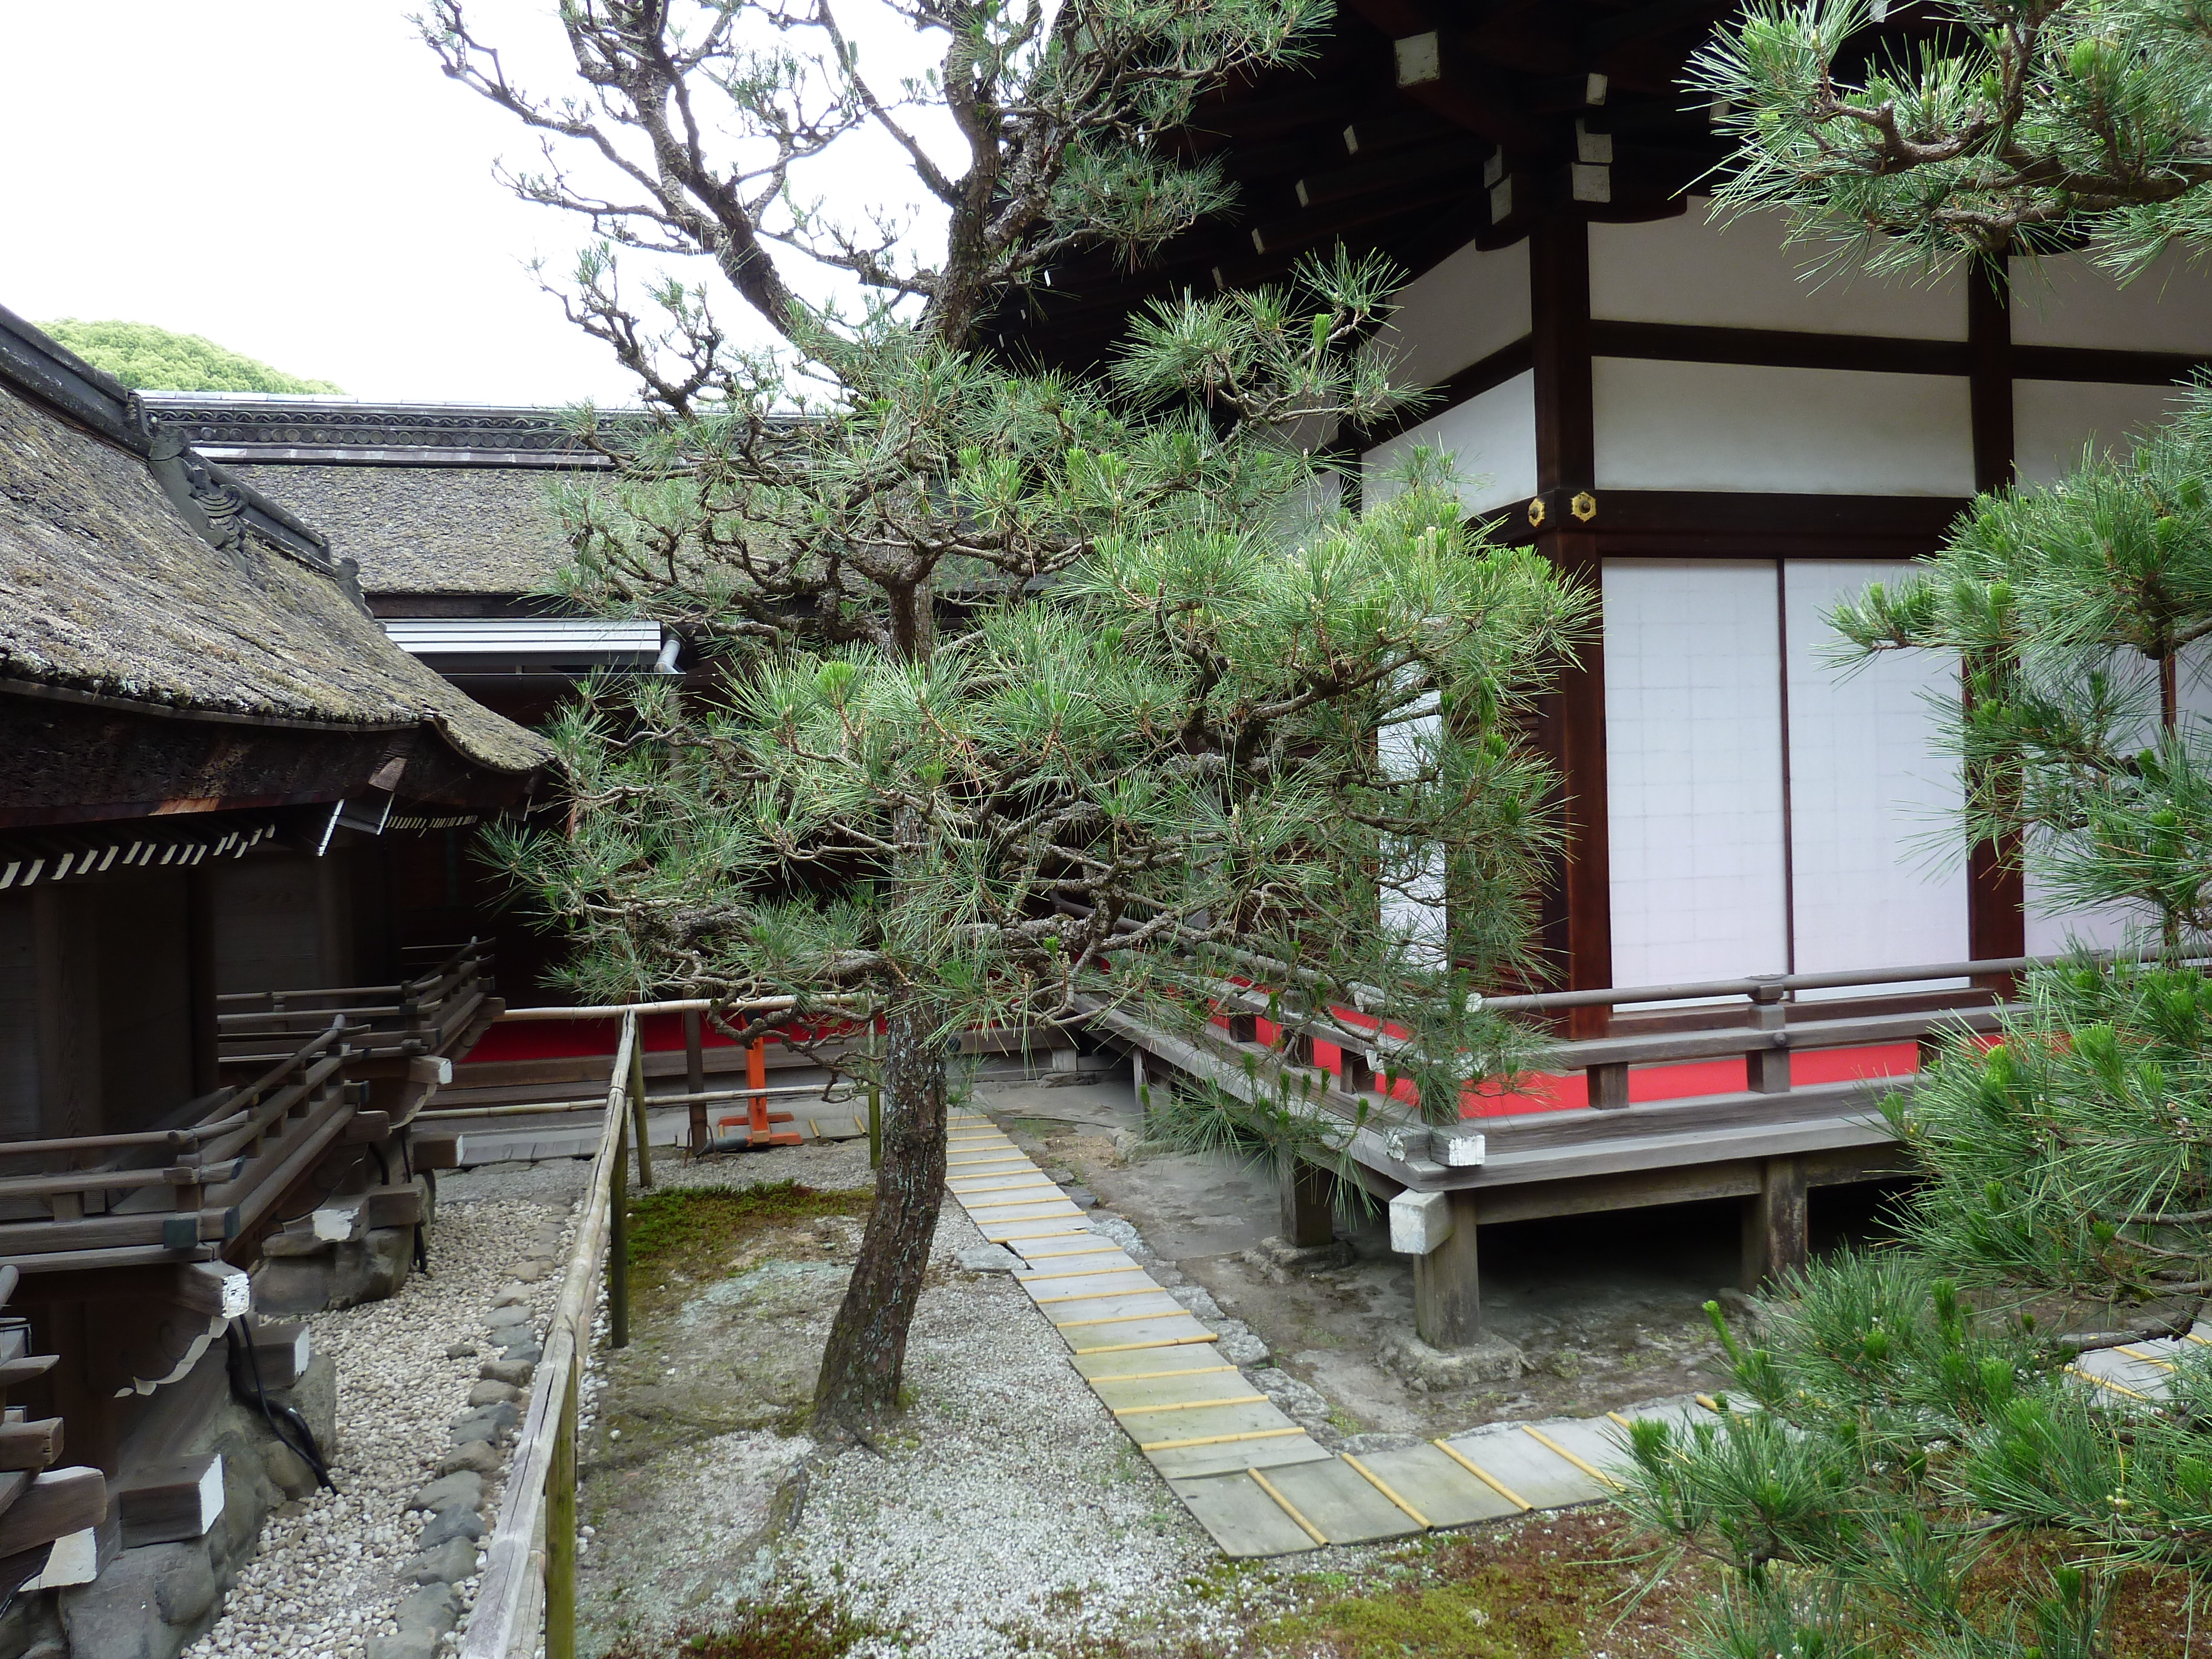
(199, 935)
(1447, 1283)
(65, 945)
(694, 1076)
(1307, 1218)
(1767, 1070)
(1567, 473)
(1774, 1224)
(1996, 896)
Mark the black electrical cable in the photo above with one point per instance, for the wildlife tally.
(305, 1446)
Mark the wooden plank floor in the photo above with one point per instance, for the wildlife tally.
(1249, 1475)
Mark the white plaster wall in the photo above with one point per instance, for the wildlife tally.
(2067, 300)
(1492, 439)
(1685, 269)
(1693, 757)
(1413, 909)
(1458, 312)
(2053, 419)
(1877, 861)
(1825, 432)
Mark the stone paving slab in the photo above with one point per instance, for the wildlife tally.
(1223, 1505)
(1527, 1469)
(1339, 1503)
(1441, 1490)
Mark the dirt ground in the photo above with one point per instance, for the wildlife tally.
(1608, 1310)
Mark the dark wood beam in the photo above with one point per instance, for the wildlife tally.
(1566, 466)
(1996, 887)
(1637, 24)
(1459, 163)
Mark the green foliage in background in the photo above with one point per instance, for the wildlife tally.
(150, 359)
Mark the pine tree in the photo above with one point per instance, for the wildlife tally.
(2005, 126)
(1033, 693)
(1909, 1424)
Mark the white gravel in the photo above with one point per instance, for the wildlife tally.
(1007, 1513)
(326, 1575)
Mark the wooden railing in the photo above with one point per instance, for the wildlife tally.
(528, 1580)
(119, 1200)
(423, 1015)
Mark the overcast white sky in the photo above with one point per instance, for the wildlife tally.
(296, 179)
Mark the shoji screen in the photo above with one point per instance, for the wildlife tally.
(1693, 757)
(1877, 867)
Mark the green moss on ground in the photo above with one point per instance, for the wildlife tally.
(679, 1235)
(789, 1629)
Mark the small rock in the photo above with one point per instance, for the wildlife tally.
(515, 1372)
(462, 1486)
(1294, 1398)
(449, 1564)
(458, 1521)
(463, 1351)
(1277, 1259)
(434, 1608)
(471, 1454)
(491, 1392)
(1082, 1197)
(1060, 1177)
(1197, 1299)
(530, 1272)
(524, 1352)
(487, 1423)
(990, 1259)
(513, 1297)
(511, 1313)
(1238, 1345)
(407, 1642)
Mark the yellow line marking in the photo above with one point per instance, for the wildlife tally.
(1381, 1485)
(1023, 1238)
(1218, 1439)
(2107, 1383)
(1485, 1477)
(2201, 1341)
(1158, 1342)
(2147, 1359)
(1070, 1255)
(1146, 1376)
(1119, 1319)
(1619, 1419)
(1101, 1296)
(1288, 1507)
(1022, 1204)
(1001, 1186)
(1079, 1273)
(1590, 1469)
(1191, 1405)
(1708, 1402)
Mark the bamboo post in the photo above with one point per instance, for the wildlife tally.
(636, 1091)
(618, 1231)
(560, 1524)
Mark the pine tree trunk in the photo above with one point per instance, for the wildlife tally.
(866, 1359)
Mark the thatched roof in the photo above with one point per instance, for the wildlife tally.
(108, 585)
(427, 529)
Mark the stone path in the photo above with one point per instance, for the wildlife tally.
(1249, 1475)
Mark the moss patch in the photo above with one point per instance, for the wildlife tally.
(1559, 1586)
(680, 1236)
(791, 1629)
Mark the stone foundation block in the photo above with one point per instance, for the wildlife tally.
(1438, 1370)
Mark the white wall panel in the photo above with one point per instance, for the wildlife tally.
(2053, 419)
(1458, 312)
(1823, 432)
(1693, 747)
(1685, 269)
(2069, 302)
(1491, 438)
(1878, 864)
